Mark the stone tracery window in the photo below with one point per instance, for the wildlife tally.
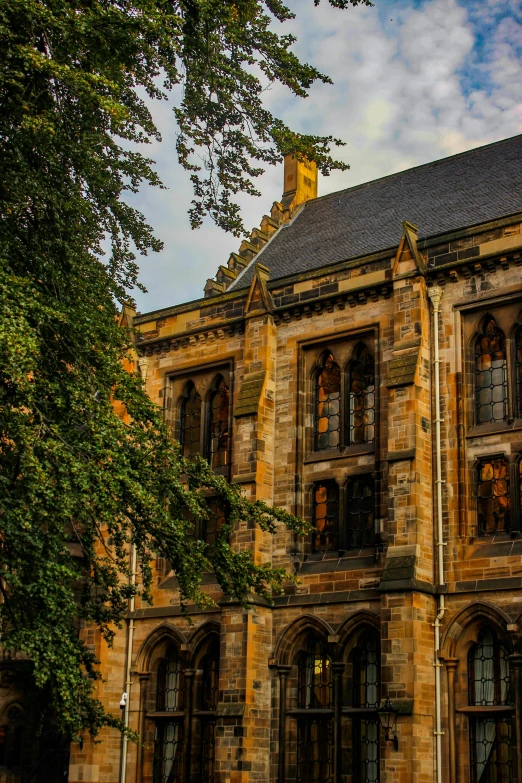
(491, 741)
(491, 387)
(493, 496)
(218, 425)
(361, 397)
(190, 421)
(327, 405)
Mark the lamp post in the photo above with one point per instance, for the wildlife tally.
(388, 719)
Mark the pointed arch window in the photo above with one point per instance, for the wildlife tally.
(190, 422)
(169, 718)
(518, 371)
(315, 715)
(493, 496)
(327, 425)
(491, 387)
(491, 741)
(218, 426)
(361, 397)
(366, 698)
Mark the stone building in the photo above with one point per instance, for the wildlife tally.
(358, 362)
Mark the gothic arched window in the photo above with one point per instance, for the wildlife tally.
(491, 387)
(327, 425)
(361, 397)
(325, 516)
(218, 426)
(169, 717)
(360, 511)
(205, 713)
(366, 698)
(491, 742)
(315, 715)
(190, 422)
(493, 496)
(518, 371)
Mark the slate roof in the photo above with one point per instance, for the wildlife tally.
(449, 194)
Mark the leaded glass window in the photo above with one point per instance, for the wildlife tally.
(518, 371)
(218, 426)
(360, 511)
(327, 405)
(190, 422)
(491, 387)
(315, 729)
(168, 740)
(493, 496)
(491, 742)
(326, 516)
(361, 397)
(366, 684)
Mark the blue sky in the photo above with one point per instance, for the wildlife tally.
(413, 82)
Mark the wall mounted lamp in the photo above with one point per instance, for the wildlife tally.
(388, 719)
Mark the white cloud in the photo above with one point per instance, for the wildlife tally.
(400, 98)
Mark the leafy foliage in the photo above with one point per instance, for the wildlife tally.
(78, 484)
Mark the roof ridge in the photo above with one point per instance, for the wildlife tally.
(415, 168)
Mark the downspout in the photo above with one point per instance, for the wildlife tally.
(435, 294)
(143, 367)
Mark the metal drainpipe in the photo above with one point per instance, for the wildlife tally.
(435, 294)
(143, 366)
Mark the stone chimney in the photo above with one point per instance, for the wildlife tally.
(299, 185)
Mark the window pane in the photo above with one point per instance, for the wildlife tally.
(491, 403)
(493, 497)
(190, 430)
(518, 370)
(491, 748)
(488, 672)
(361, 401)
(366, 750)
(169, 693)
(327, 406)
(315, 751)
(315, 677)
(218, 427)
(360, 512)
(168, 752)
(326, 516)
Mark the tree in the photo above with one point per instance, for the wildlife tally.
(78, 485)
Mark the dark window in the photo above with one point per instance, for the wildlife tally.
(491, 744)
(3, 744)
(493, 496)
(366, 683)
(518, 370)
(190, 422)
(315, 677)
(218, 426)
(360, 511)
(207, 704)
(361, 397)
(315, 730)
(491, 388)
(326, 516)
(327, 405)
(168, 742)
